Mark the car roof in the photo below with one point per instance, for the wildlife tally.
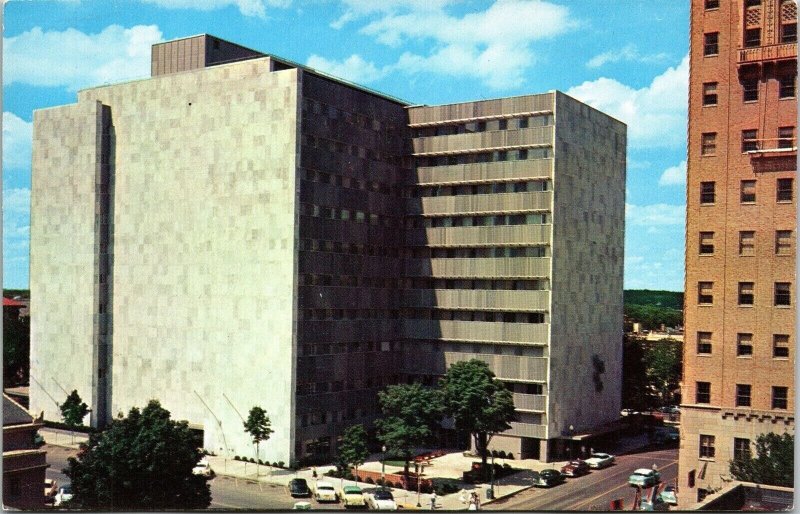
(351, 489)
(600, 454)
(642, 471)
(324, 484)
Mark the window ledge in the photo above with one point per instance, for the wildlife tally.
(708, 204)
(706, 255)
(746, 305)
(783, 306)
(790, 202)
(744, 356)
(707, 459)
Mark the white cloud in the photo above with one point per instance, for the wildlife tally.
(674, 175)
(656, 114)
(627, 53)
(73, 59)
(246, 7)
(16, 201)
(16, 142)
(492, 45)
(655, 214)
(354, 68)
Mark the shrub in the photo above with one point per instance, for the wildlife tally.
(263, 463)
(495, 453)
(253, 460)
(506, 466)
(331, 473)
(398, 485)
(280, 463)
(369, 480)
(510, 456)
(235, 457)
(380, 482)
(502, 454)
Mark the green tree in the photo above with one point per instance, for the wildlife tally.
(73, 410)
(259, 427)
(635, 393)
(353, 449)
(140, 462)
(479, 404)
(664, 363)
(410, 413)
(16, 348)
(773, 464)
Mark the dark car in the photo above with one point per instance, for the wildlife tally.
(575, 468)
(298, 488)
(548, 478)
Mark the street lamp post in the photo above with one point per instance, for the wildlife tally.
(491, 483)
(418, 468)
(383, 464)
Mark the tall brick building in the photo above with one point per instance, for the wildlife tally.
(740, 235)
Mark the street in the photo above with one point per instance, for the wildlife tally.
(595, 490)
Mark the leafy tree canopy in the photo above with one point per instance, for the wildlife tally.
(16, 348)
(258, 425)
(73, 410)
(142, 461)
(667, 299)
(772, 465)
(664, 364)
(353, 450)
(478, 403)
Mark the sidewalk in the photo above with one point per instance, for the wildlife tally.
(64, 438)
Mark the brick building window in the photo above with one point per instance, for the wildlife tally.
(748, 191)
(704, 343)
(780, 346)
(706, 243)
(707, 192)
(752, 38)
(750, 90)
(783, 293)
(789, 32)
(706, 446)
(780, 397)
(752, 3)
(712, 4)
(787, 86)
(783, 242)
(784, 191)
(705, 294)
(785, 137)
(743, 395)
(747, 244)
(703, 392)
(749, 140)
(710, 93)
(744, 345)
(741, 448)
(711, 43)
(708, 143)
(746, 296)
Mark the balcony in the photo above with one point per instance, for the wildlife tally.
(478, 331)
(485, 172)
(530, 402)
(781, 52)
(482, 204)
(778, 154)
(529, 301)
(504, 366)
(480, 236)
(509, 267)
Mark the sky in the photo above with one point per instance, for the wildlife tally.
(628, 58)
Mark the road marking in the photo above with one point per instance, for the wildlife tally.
(583, 503)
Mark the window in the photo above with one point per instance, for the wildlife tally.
(747, 242)
(707, 194)
(752, 37)
(780, 397)
(523, 123)
(787, 86)
(748, 191)
(785, 137)
(749, 90)
(711, 43)
(703, 393)
(712, 4)
(708, 143)
(741, 449)
(780, 346)
(783, 293)
(706, 446)
(742, 395)
(710, 93)
(789, 32)
(752, 3)
(784, 190)
(746, 293)
(783, 242)
(706, 243)
(704, 293)
(744, 345)
(502, 125)
(704, 343)
(749, 140)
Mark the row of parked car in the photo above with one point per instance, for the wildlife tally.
(572, 469)
(350, 495)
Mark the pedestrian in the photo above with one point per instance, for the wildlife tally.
(472, 504)
(314, 473)
(433, 501)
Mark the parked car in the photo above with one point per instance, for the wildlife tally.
(644, 477)
(575, 468)
(324, 492)
(64, 494)
(600, 460)
(50, 490)
(667, 435)
(203, 468)
(298, 488)
(548, 478)
(302, 506)
(656, 505)
(352, 496)
(381, 499)
(669, 495)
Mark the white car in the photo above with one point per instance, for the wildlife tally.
(64, 494)
(50, 490)
(324, 492)
(381, 499)
(600, 460)
(203, 468)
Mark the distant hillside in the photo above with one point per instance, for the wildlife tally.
(667, 299)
